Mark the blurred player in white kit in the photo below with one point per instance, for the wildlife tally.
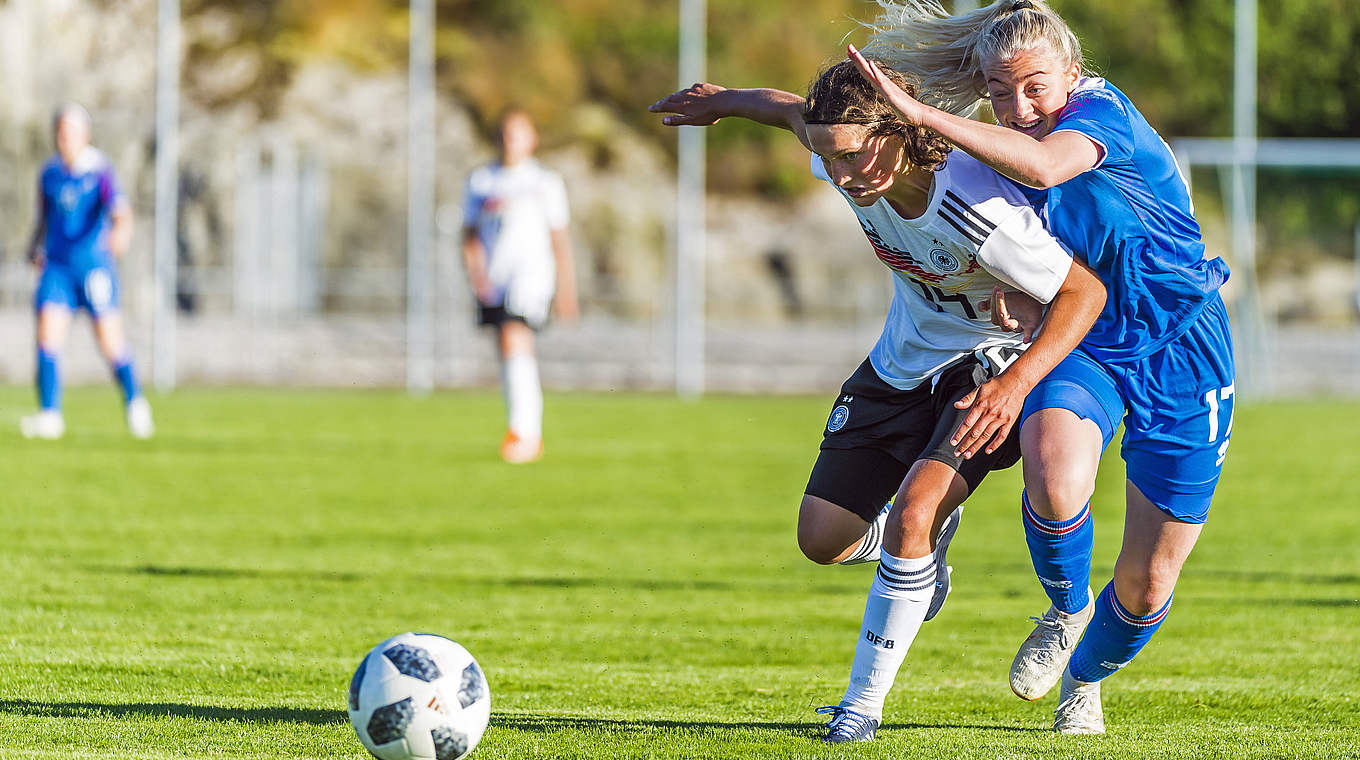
(519, 263)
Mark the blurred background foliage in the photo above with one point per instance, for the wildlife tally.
(584, 67)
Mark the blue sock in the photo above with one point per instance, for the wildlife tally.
(127, 380)
(1113, 638)
(49, 383)
(1061, 552)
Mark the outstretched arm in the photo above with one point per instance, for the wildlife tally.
(474, 260)
(35, 242)
(1056, 158)
(565, 302)
(120, 233)
(995, 405)
(704, 104)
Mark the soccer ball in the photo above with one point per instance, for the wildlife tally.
(418, 696)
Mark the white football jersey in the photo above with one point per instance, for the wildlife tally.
(513, 210)
(977, 232)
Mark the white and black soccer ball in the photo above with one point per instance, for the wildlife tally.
(418, 696)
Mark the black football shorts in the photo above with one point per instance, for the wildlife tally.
(876, 433)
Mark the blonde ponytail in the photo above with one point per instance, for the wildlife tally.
(945, 53)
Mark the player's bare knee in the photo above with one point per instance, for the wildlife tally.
(1142, 590)
(819, 549)
(1055, 494)
(909, 528)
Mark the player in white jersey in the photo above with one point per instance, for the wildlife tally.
(518, 256)
(955, 235)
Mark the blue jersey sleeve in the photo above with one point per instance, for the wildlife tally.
(110, 192)
(1100, 115)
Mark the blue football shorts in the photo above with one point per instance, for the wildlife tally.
(1177, 406)
(93, 288)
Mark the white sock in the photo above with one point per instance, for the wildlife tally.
(898, 600)
(523, 395)
(872, 542)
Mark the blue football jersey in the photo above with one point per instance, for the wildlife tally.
(76, 205)
(1131, 219)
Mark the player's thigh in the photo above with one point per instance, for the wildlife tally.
(939, 480)
(54, 322)
(1068, 420)
(1156, 546)
(873, 433)
(828, 532)
(931, 490)
(950, 386)
(97, 289)
(516, 337)
(54, 301)
(108, 331)
(1180, 417)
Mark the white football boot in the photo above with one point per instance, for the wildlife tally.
(942, 570)
(139, 420)
(1043, 657)
(1078, 707)
(48, 424)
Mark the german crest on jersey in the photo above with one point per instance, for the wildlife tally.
(839, 416)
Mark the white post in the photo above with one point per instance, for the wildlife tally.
(420, 199)
(284, 250)
(165, 273)
(1254, 370)
(313, 190)
(1355, 252)
(689, 215)
(246, 234)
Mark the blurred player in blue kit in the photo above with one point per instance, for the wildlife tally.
(518, 255)
(1159, 356)
(83, 226)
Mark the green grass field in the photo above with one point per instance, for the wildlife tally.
(637, 594)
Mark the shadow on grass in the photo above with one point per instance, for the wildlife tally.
(242, 572)
(510, 721)
(1307, 602)
(545, 582)
(1273, 576)
(546, 723)
(315, 717)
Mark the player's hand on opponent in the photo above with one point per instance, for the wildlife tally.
(1014, 311)
(692, 106)
(993, 408)
(995, 405)
(910, 109)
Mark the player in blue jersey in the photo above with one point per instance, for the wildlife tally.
(1160, 355)
(83, 225)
